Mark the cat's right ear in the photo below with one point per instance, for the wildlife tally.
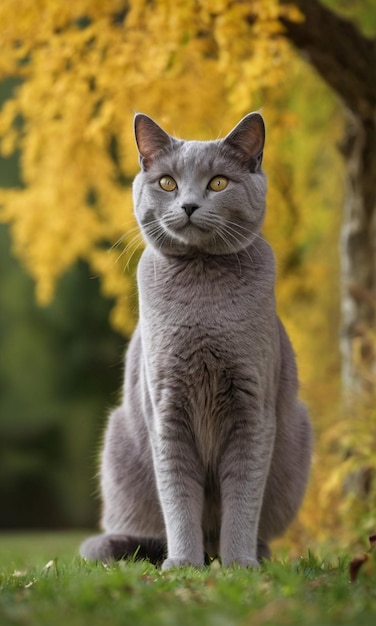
(151, 139)
(248, 139)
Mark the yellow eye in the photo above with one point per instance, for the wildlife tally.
(218, 183)
(167, 183)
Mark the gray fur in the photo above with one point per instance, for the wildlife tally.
(210, 449)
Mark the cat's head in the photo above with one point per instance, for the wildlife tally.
(195, 197)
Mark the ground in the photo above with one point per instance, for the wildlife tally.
(44, 583)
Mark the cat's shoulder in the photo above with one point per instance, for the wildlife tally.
(263, 247)
(262, 255)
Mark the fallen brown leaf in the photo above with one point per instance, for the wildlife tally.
(358, 561)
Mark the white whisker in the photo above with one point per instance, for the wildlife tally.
(137, 244)
(118, 242)
(221, 232)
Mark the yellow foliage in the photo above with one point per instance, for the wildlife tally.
(87, 66)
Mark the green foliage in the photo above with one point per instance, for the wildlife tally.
(350, 489)
(308, 591)
(59, 371)
(361, 11)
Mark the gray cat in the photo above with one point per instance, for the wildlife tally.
(209, 453)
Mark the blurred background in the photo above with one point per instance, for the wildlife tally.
(71, 79)
(60, 372)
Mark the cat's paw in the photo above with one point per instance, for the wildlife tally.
(181, 562)
(241, 561)
(251, 563)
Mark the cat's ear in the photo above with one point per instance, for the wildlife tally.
(151, 139)
(248, 139)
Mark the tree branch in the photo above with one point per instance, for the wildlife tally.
(342, 55)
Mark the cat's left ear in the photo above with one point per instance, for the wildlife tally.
(151, 139)
(248, 139)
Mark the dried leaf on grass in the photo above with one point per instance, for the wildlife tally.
(358, 561)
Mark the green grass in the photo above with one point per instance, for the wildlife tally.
(44, 583)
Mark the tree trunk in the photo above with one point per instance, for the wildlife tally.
(358, 258)
(346, 60)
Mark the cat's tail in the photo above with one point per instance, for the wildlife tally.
(113, 547)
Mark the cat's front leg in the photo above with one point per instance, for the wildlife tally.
(181, 491)
(243, 471)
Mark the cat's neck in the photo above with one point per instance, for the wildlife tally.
(252, 263)
(252, 254)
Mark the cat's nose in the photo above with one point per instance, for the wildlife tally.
(189, 207)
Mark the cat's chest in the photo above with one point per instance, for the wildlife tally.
(203, 313)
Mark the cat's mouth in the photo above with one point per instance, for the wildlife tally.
(189, 235)
(184, 233)
(187, 229)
